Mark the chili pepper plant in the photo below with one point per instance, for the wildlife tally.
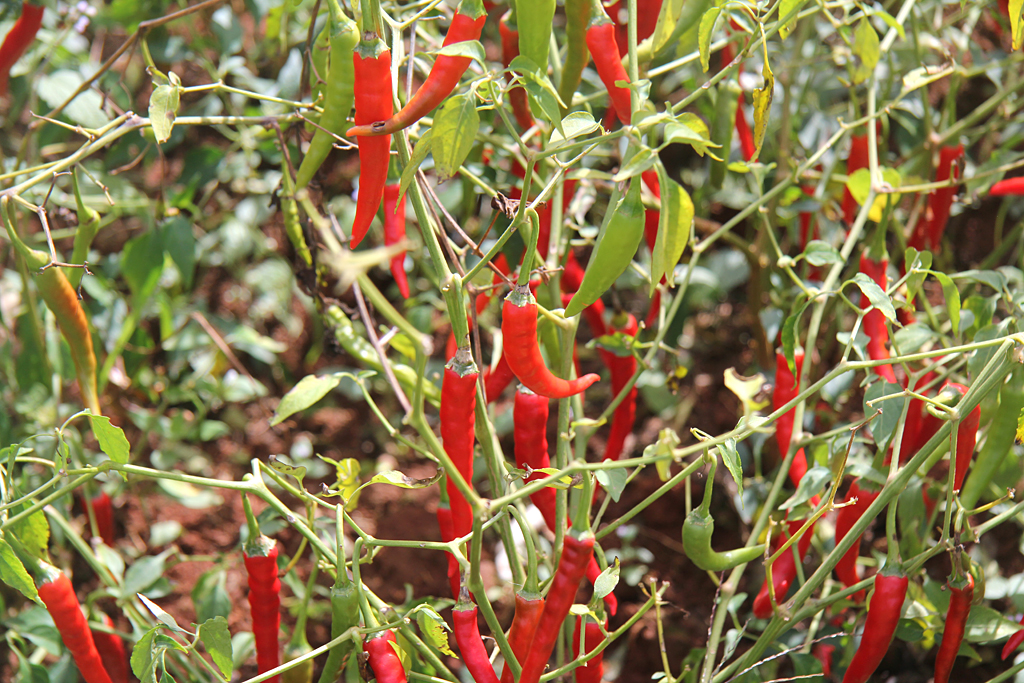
(514, 340)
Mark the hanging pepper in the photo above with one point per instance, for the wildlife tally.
(1013, 643)
(458, 420)
(998, 440)
(727, 100)
(102, 510)
(62, 300)
(394, 232)
(529, 608)
(536, 19)
(519, 330)
(698, 529)
(18, 39)
(382, 658)
(88, 226)
(344, 615)
(372, 63)
(846, 517)
(874, 319)
(592, 671)
(928, 231)
(786, 389)
(652, 223)
(883, 616)
(339, 93)
(58, 595)
(471, 645)
(572, 566)
(509, 51)
(467, 24)
(1008, 187)
(601, 42)
(496, 380)
(447, 527)
(577, 56)
(857, 160)
(966, 438)
(783, 569)
(961, 593)
(111, 649)
(260, 555)
(622, 369)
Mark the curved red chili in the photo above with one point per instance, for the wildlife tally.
(529, 609)
(966, 438)
(783, 570)
(471, 645)
(496, 380)
(509, 51)
(264, 602)
(18, 39)
(857, 160)
(394, 232)
(112, 653)
(1014, 642)
(786, 389)
(846, 517)
(519, 330)
(443, 77)
(928, 232)
(874, 320)
(601, 43)
(458, 420)
(61, 602)
(592, 671)
(1009, 186)
(622, 369)
(572, 566)
(382, 658)
(372, 61)
(961, 593)
(880, 627)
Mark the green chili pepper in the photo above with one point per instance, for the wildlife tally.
(361, 349)
(292, 223)
(1001, 434)
(88, 226)
(344, 615)
(577, 56)
(698, 529)
(535, 20)
(319, 72)
(338, 94)
(617, 242)
(721, 133)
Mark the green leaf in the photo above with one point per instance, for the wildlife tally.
(434, 628)
(612, 481)
(162, 616)
(163, 108)
(396, 478)
(85, 110)
(12, 572)
(419, 153)
(143, 662)
(573, 126)
(866, 52)
(704, 33)
(606, 581)
(820, 253)
(308, 391)
(875, 295)
(890, 20)
(762, 107)
(111, 438)
(813, 482)
(33, 531)
(952, 294)
(884, 426)
(142, 262)
(785, 8)
(690, 129)
(917, 264)
(544, 95)
(985, 625)
(674, 228)
(454, 133)
(643, 160)
(143, 573)
(667, 19)
(217, 640)
(731, 458)
(789, 336)
(465, 48)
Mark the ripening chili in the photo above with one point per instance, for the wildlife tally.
(519, 330)
(529, 608)
(58, 595)
(572, 566)
(372, 63)
(783, 570)
(846, 517)
(509, 51)
(698, 530)
(458, 420)
(467, 24)
(18, 39)
(961, 592)
(874, 319)
(394, 232)
(382, 658)
(111, 649)
(1009, 186)
(883, 616)
(601, 42)
(260, 555)
(88, 226)
(471, 645)
(592, 671)
(339, 93)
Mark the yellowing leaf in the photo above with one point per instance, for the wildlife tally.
(866, 52)
(762, 106)
(1016, 26)
(747, 389)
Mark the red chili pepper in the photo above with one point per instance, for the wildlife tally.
(394, 232)
(601, 43)
(622, 369)
(497, 379)
(883, 616)
(611, 602)
(743, 132)
(1013, 643)
(928, 232)
(372, 60)
(458, 420)
(846, 517)
(443, 77)
(592, 671)
(382, 658)
(18, 39)
(102, 510)
(1010, 186)
(857, 160)
(59, 597)
(966, 437)
(447, 527)
(572, 277)
(961, 592)
(786, 390)
(652, 220)
(572, 566)
(471, 645)
(509, 51)
(783, 570)
(524, 626)
(874, 320)
(519, 330)
(823, 653)
(264, 602)
(111, 649)
(484, 297)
